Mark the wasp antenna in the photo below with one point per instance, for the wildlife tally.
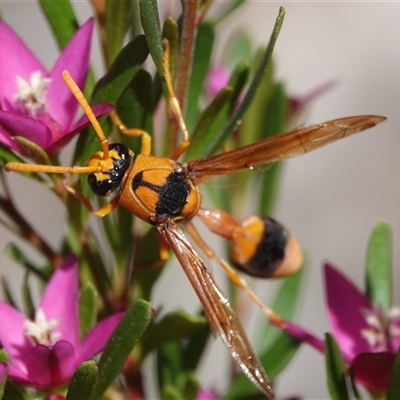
(73, 87)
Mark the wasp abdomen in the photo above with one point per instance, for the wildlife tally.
(264, 248)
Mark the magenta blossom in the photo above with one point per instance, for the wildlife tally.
(367, 337)
(36, 104)
(44, 353)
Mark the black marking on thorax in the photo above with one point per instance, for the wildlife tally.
(173, 195)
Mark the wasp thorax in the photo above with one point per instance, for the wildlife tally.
(111, 170)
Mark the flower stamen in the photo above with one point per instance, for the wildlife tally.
(41, 331)
(383, 328)
(31, 96)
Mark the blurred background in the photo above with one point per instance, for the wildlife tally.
(329, 198)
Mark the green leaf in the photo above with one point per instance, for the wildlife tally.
(379, 266)
(4, 359)
(285, 305)
(274, 124)
(61, 17)
(83, 381)
(335, 370)
(118, 16)
(124, 68)
(217, 113)
(239, 112)
(200, 67)
(33, 150)
(393, 391)
(29, 306)
(7, 292)
(151, 26)
(195, 348)
(16, 254)
(174, 326)
(87, 308)
(120, 344)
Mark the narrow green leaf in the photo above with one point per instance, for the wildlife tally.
(120, 344)
(7, 292)
(171, 392)
(379, 266)
(274, 124)
(121, 72)
(4, 361)
(169, 366)
(83, 381)
(217, 113)
(16, 254)
(393, 391)
(33, 150)
(174, 326)
(118, 16)
(151, 26)
(200, 67)
(61, 17)
(87, 308)
(335, 370)
(191, 388)
(195, 348)
(29, 306)
(239, 112)
(285, 305)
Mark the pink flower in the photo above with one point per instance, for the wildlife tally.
(44, 353)
(367, 337)
(36, 104)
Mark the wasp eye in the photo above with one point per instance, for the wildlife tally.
(109, 180)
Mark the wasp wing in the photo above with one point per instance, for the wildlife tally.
(276, 148)
(216, 306)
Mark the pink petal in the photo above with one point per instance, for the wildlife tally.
(16, 60)
(98, 110)
(50, 367)
(7, 141)
(98, 336)
(217, 79)
(12, 334)
(60, 300)
(345, 304)
(373, 370)
(303, 335)
(203, 394)
(29, 128)
(74, 58)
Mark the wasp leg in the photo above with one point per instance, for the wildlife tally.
(102, 211)
(133, 132)
(233, 276)
(174, 104)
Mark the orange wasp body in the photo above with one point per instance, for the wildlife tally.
(165, 193)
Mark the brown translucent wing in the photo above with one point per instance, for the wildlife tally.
(216, 306)
(279, 147)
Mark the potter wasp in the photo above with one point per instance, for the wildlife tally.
(165, 193)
